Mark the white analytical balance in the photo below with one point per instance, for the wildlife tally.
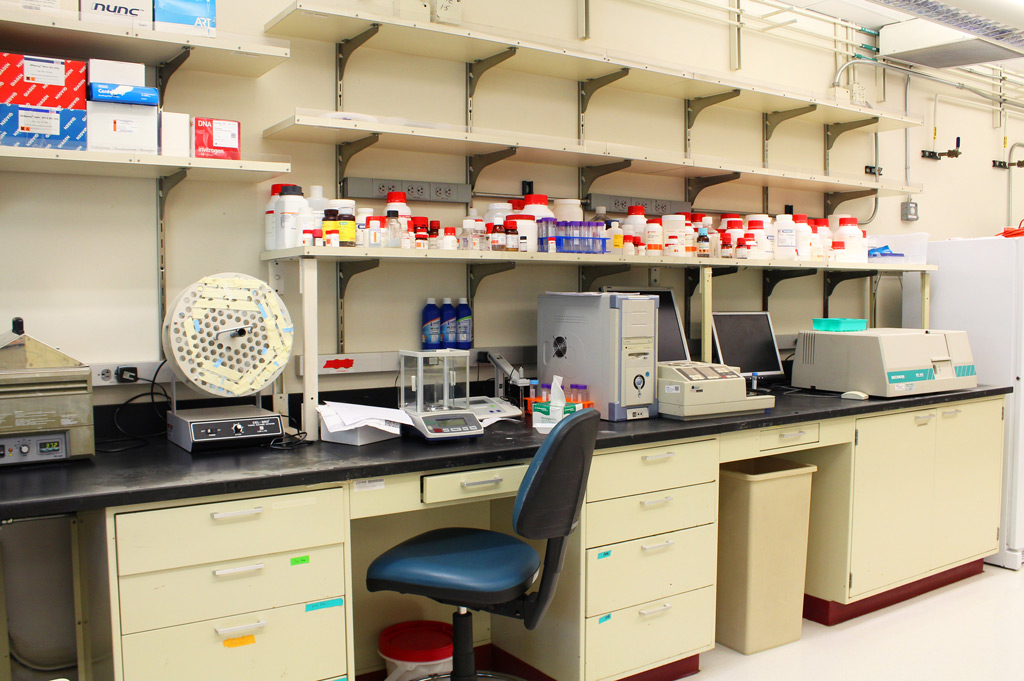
(435, 394)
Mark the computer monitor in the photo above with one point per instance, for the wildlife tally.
(746, 340)
(671, 339)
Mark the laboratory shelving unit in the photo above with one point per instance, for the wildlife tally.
(63, 34)
(479, 265)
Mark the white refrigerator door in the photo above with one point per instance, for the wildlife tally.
(979, 287)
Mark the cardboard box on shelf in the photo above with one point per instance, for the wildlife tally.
(117, 72)
(186, 16)
(125, 128)
(26, 80)
(174, 129)
(216, 138)
(138, 13)
(68, 8)
(42, 127)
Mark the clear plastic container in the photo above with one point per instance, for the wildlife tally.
(568, 210)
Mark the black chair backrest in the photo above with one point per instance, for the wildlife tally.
(551, 494)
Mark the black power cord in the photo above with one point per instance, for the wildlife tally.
(135, 440)
(287, 442)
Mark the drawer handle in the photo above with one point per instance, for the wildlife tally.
(654, 547)
(647, 458)
(653, 611)
(925, 418)
(237, 514)
(227, 631)
(786, 436)
(493, 481)
(954, 412)
(238, 570)
(647, 503)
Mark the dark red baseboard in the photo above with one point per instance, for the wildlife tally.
(492, 658)
(831, 613)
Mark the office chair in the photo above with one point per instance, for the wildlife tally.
(491, 571)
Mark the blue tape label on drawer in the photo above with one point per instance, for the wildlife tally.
(332, 603)
(603, 618)
(604, 554)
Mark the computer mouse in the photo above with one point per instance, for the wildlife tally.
(854, 395)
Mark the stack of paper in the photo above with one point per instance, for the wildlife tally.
(356, 424)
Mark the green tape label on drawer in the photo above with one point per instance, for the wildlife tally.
(333, 603)
(604, 554)
(603, 618)
(300, 560)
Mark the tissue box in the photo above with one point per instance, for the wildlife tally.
(119, 72)
(545, 413)
(214, 138)
(174, 134)
(41, 81)
(123, 94)
(43, 128)
(124, 128)
(136, 12)
(186, 16)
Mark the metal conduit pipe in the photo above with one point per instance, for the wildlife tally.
(874, 211)
(1009, 184)
(926, 76)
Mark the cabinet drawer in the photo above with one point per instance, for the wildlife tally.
(153, 600)
(778, 438)
(652, 468)
(297, 643)
(645, 515)
(484, 482)
(209, 533)
(646, 634)
(643, 569)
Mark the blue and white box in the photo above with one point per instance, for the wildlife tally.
(186, 16)
(42, 127)
(123, 94)
(136, 13)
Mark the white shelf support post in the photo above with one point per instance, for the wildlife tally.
(706, 277)
(926, 299)
(310, 358)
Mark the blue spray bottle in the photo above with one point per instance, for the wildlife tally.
(431, 338)
(447, 324)
(463, 325)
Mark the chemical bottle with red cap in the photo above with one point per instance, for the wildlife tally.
(396, 202)
(286, 216)
(635, 223)
(803, 237)
(434, 234)
(654, 237)
(756, 232)
(269, 224)
(785, 237)
(853, 240)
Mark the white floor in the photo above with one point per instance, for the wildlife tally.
(970, 630)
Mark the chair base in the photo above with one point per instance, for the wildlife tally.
(477, 675)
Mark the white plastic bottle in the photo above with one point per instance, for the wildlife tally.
(785, 237)
(804, 238)
(853, 239)
(396, 202)
(635, 224)
(317, 201)
(734, 228)
(565, 210)
(817, 252)
(496, 213)
(654, 237)
(362, 217)
(754, 238)
(306, 225)
(286, 216)
(766, 241)
(615, 234)
(269, 222)
(674, 225)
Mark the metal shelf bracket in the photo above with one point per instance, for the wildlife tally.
(476, 164)
(475, 70)
(165, 71)
(776, 118)
(695, 185)
(477, 273)
(349, 149)
(833, 199)
(163, 189)
(590, 86)
(834, 130)
(591, 273)
(723, 271)
(347, 270)
(772, 278)
(695, 106)
(589, 174)
(834, 279)
(347, 47)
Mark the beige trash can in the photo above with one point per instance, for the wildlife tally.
(763, 513)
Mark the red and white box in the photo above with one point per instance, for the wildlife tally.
(42, 81)
(216, 138)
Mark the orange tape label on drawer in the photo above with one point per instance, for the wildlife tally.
(239, 641)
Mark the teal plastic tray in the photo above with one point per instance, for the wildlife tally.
(839, 324)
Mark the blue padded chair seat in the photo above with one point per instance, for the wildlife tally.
(474, 567)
